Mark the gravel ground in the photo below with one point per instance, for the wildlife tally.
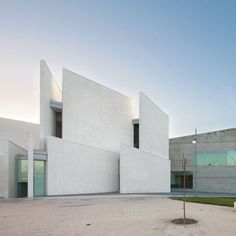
(121, 216)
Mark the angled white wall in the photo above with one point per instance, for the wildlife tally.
(17, 133)
(48, 90)
(13, 151)
(74, 168)
(153, 128)
(143, 172)
(95, 115)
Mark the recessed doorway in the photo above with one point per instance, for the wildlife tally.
(22, 178)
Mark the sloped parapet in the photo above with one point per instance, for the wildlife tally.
(95, 115)
(153, 128)
(73, 168)
(143, 172)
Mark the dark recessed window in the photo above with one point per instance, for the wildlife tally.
(177, 180)
(59, 124)
(136, 135)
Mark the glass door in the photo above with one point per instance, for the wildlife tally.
(39, 178)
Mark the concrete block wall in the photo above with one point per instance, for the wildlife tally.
(209, 178)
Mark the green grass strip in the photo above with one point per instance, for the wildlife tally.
(221, 201)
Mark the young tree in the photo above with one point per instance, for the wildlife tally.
(184, 163)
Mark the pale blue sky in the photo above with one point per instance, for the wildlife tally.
(181, 53)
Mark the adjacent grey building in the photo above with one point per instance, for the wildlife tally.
(211, 161)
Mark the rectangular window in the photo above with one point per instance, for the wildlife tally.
(136, 135)
(22, 178)
(177, 180)
(59, 124)
(222, 158)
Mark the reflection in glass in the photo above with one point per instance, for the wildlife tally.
(22, 178)
(177, 180)
(39, 175)
(222, 158)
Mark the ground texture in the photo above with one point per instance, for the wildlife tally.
(120, 216)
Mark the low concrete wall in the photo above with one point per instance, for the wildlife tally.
(73, 168)
(143, 172)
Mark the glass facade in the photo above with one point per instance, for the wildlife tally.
(222, 158)
(177, 180)
(39, 178)
(22, 178)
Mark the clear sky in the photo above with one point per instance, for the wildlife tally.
(181, 53)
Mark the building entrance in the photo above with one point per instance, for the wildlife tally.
(22, 178)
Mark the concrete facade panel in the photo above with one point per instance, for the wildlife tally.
(153, 128)
(74, 168)
(48, 90)
(217, 184)
(216, 171)
(143, 172)
(95, 115)
(17, 132)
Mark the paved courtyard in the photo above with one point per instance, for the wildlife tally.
(120, 216)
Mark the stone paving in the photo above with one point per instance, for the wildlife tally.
(132, 215)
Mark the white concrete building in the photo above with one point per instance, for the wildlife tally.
(88, 142)
(13, 144)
